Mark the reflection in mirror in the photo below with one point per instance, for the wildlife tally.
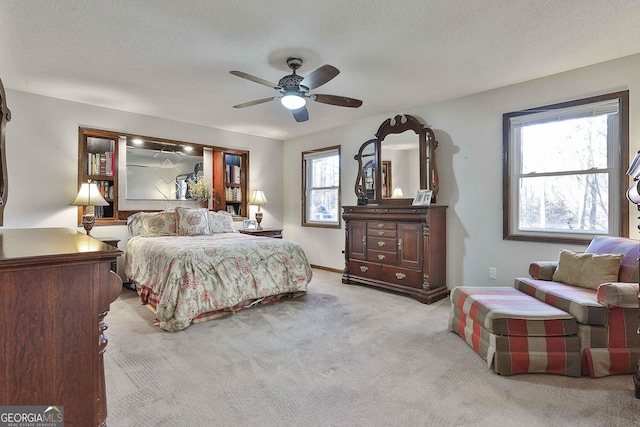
(158, 171)
(402, 150)
(366, 180)
(370, 179)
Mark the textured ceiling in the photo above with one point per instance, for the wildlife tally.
(172, 59)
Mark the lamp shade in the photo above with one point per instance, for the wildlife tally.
(397, 193)
(258, 198)
(89, 195)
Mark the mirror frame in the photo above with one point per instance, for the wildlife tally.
(4, 185)
(427, 145)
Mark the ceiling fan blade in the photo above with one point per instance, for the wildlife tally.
(319, 76)
(341, 101)
(256, 102)
(301, 114)
(254, 79)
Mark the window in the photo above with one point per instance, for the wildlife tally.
(321, 183)
(564, 170)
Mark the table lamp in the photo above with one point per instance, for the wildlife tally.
(397, 193)
(89, 196)
(259, 199)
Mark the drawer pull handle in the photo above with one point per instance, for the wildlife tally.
(400, 276)
(380, 233)
(363, 268)
(380, 257)
(381, 244)
(380, 225)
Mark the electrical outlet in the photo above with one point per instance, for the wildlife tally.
(492, 273)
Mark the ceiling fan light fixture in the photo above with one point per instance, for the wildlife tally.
(293, 101)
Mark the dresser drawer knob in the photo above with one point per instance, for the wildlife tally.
(380, 225)
(381, 244)
(381, 257)
(363, 268)
(380, 233)
(400, 276)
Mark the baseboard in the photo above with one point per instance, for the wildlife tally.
(319, 267)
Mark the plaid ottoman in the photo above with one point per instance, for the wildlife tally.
(514, 332)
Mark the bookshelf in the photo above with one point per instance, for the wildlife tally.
(98, 162)
(230, 178)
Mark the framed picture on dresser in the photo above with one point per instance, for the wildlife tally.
(423, 198)
(249, 224)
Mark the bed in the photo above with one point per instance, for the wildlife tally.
(191, 265)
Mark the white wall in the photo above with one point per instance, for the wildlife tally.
(469, 160)
(42, 151)
(42, 158)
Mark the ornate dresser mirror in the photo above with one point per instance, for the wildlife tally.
(397, 163)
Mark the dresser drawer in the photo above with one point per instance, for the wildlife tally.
(382, 257)
(381, 232)
(382, 244)
(402, 276)
(375, 225)
(364, 269)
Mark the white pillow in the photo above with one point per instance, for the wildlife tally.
(134, 224)
(158, 224)
(221, 222)
(192, 222)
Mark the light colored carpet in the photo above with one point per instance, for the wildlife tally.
(343, 355)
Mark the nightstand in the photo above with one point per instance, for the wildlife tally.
(112, 242)
(275, 233)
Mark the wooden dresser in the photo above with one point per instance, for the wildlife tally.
(398, 247)
(55, 289)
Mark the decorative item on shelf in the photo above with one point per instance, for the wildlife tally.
(89, 196)
(397, 193)
(259, 199)
(200, 190)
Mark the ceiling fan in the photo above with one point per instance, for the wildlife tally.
(294, 89)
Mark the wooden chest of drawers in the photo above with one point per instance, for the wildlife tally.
(402, 248)
(56, 286)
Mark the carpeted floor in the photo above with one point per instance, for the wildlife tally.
(343, 355)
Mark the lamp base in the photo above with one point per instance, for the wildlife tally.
(87, 222)
(259, 220)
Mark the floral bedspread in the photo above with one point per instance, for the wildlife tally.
(183, 277)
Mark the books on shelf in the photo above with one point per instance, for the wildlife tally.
(106, 188)
(234, 209)
(233, 194)
(233, 174)
(101, 163)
